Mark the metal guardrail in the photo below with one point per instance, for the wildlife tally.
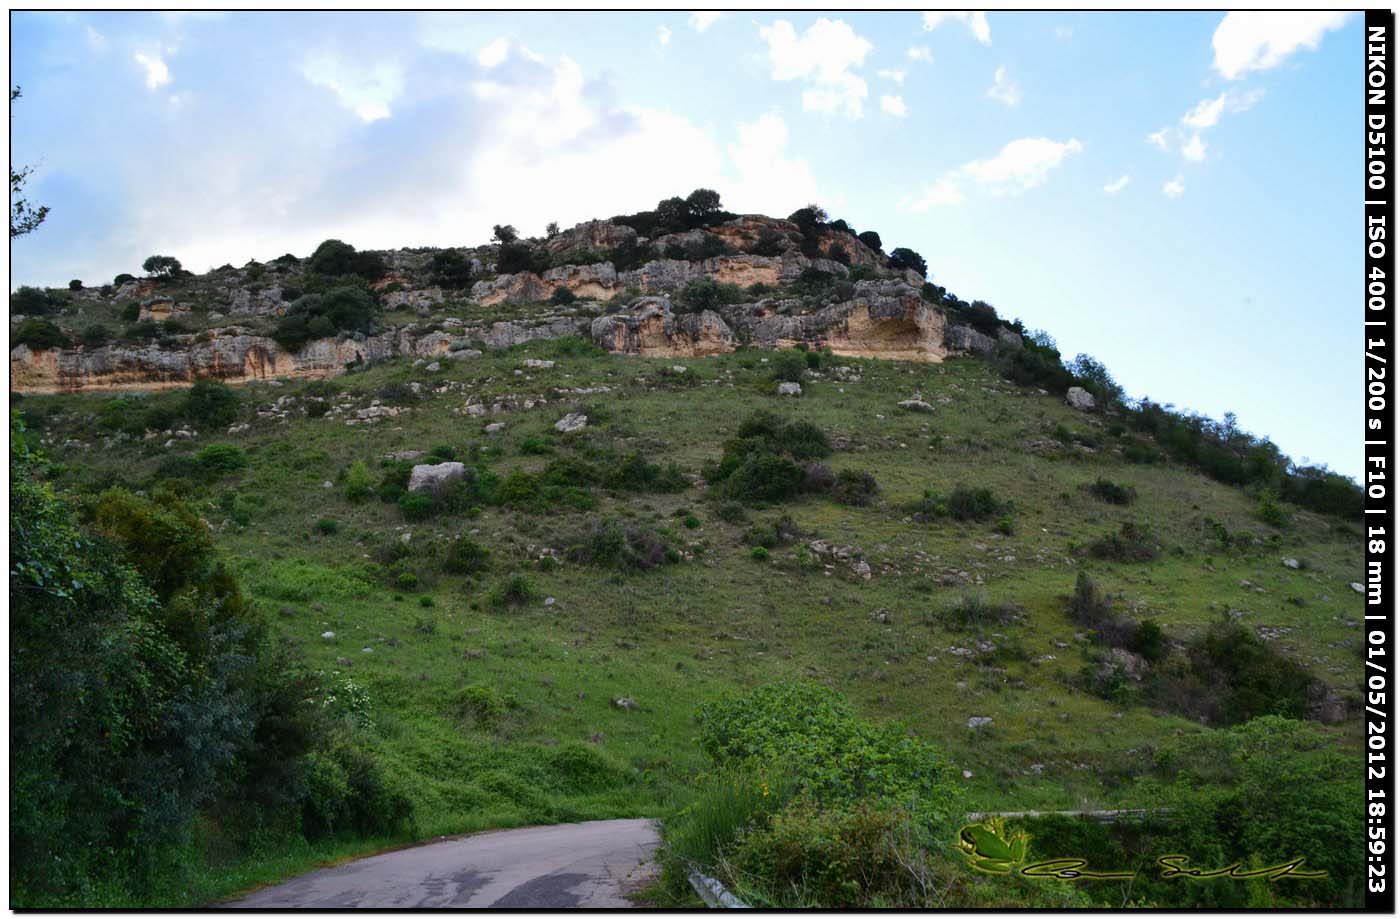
(715, 895)
(1131, 815)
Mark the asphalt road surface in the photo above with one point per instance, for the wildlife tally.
(590, 864)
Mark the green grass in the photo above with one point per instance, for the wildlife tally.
(680, 634)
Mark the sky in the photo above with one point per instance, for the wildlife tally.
(1176, 194)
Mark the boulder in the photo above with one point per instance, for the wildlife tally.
(1292, 563)
(574, 421)
(1078, 397)
(433, 477)
(963, 339)
(789, 389)
(916, 405)
(979, 721)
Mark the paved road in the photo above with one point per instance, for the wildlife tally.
(545, 867)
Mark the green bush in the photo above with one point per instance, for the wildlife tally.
(450, 269)
(1132, 543)
(334, 258)
(562, 296)
(162, 266)
(609, 543)
(465, 556)
(39, 335)
(32, 301)
(789, 366)
(515, 590)
(218, 460)
(854, 488)
(317, 315)
(359, 485)
(974, 612)
(482, 706)
(417, 505)
(1113, 493)
(1271, 510)
(963, 504)
(209, 403)
(707, 294)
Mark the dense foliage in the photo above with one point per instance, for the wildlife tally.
(145, 692)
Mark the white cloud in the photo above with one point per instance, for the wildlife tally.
(494, 54)
(920, 53)
(1194, 149)
(157, 73)
(1020, 166)
(701, 20)
(366, 90)
(1004, 89)
(823, 56)
(1204, 115)
(1174, 188)
(1261, 40)
(894, 105)
(663, 36)
(976, 21)
(767, 180)
(894, 76)
(1117, 185)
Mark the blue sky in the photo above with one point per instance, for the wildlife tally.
(1174, 193)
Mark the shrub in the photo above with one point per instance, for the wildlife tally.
(855, 488)
(1246, 677)
(1132, 543)
(562, 296)
(902, 259)
(771, 533)
(221, 459)
(39, 335)
(707, 294)
(769, 243)
(513, 591)
(482, 706)
(872, 240)
(31, 301)
(759, 554)
(963, 504)
(450, 269)
(465, 556)
(789, 366)
(349, 792)
(764, 478)
(1112, 493)
(95, 335)
(1149, 641)
(210, 403)
(162, 266)
(732, 512)
(610, 544)
(1271, 510)
(416, 505)
(327, 527)
(312, 316)
(333, 258)
(131, 312)
(975, 612)
(358, 482)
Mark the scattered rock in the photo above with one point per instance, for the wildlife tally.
(574, 421)
(328, 635)
(1292, 563)
(535, 364)
(625, 703)
(979, 721)
(1356, 586)
(434, 367)
(1078, 397)
(495, 427)
(789, 389)
(433, 477)
(916, 405)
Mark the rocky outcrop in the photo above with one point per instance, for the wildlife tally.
(593, 282)
(264, 302)
(162, 309)
(1080, 398)
(235, 355)
(651, 329)
(962, 339)
(523, 287)
(593, 237)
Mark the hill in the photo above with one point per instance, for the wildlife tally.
(1056, 590)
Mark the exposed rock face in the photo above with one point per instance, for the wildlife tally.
(162, 309)
(1079, 398)
(886, 319)
(650, 328)
(433, 477)
(967, 340)
(743, 233)
(595, 236)
(596, 282)
(423, 297)
(524, 287)
(265, 302)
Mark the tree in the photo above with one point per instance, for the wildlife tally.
(702, 204)
(24, 216)
(162, 266)
(871, 239)
(504, 233)
(902, 259)
(337, 258)
(551, 229)
(1096, 378)
(451, 269)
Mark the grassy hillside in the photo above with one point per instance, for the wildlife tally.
(489, 694)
